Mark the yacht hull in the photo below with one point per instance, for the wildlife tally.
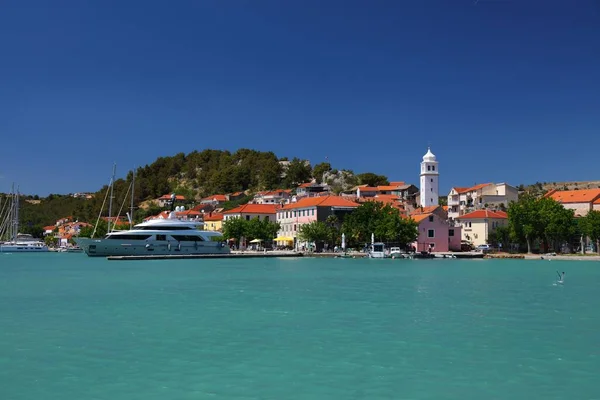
(22, 248)
(113, 247)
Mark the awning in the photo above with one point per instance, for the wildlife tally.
(284, 239)
(256, 241)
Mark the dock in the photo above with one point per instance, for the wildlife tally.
(202, 256)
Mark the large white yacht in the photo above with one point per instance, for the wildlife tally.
(160, 236)
(23, 243)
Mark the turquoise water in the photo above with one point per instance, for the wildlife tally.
(73, 327)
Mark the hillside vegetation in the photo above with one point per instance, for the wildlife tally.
(195, 175)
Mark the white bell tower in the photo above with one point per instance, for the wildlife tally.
(429, 180)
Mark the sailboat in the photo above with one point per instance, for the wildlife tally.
(9, 228)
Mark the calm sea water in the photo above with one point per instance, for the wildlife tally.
(73, 327)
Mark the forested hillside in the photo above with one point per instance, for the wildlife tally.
(195, 175)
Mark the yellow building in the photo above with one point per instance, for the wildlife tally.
(477, 225)
(213, 222)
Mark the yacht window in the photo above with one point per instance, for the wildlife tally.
(161, 237)
(165, 228)
(188, 238)
(128, 237)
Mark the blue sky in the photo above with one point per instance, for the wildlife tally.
(503, 90)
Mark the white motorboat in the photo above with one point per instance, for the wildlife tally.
(377, 250)
(161, 236)
(396, 252)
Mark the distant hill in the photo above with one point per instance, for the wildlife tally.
(195, 175)
(543, 187)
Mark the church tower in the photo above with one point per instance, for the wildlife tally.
(429, 180)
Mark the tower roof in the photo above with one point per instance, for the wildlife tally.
(429, 156)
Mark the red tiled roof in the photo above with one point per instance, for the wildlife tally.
(213, 217)
(576, 196)
(420, 217)
(168, 197)
(321, 201)
(387, 187)
(254, 209)
(365, 188)
(217, 197)
(397, 183)
(424, 210)
(49, 228)
(482, 214)
(461, 190)
(305, 185)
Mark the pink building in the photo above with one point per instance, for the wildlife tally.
(436, 234)
(307, 210)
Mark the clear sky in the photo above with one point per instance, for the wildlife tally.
(504, 90)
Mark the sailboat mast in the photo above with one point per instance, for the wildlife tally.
(132, 192)
(112, 185)
(15, 214)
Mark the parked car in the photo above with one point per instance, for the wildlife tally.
(484, 247)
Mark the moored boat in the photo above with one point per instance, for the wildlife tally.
(161, 236)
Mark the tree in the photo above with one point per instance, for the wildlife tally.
(591, 227)
(500, 237)
(524, 220)
(383, 221)
(557, 223)
(316, 231)
(234, 228)
(297, 172)
(101, 230)
(371, 179)
(319, 170)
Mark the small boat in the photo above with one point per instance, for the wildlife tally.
(396, 252)
(377, 250)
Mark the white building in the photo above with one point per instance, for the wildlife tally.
(463, 200)
(429, 195)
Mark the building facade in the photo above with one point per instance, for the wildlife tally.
(463, 200)
(248, 211)
(436, 234)
(580, 201)
(477, 225)
(309, 209)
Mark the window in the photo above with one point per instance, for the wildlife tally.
(161, 237)
(431, 218)
(451, 232)
(294, 227)
(431, 180)
(247, 218)
(431, 233)
(431, 200)
(429, 168)
(295, 213)
(432, 189)
(433, 167)
(266, 218)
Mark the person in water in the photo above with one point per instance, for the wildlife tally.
(562, 278)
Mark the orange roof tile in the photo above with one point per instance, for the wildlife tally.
(461, 190)
(387, 187)
(49, 227)
(576, 196)
(254, 209)
(168, 197)
(213, 217)
(305, 185)
(424, 210)
(217, 197)
(420, 217)
(397, 183)
(597, 201)
(445, 208)
(483, 214)
(321, 201)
